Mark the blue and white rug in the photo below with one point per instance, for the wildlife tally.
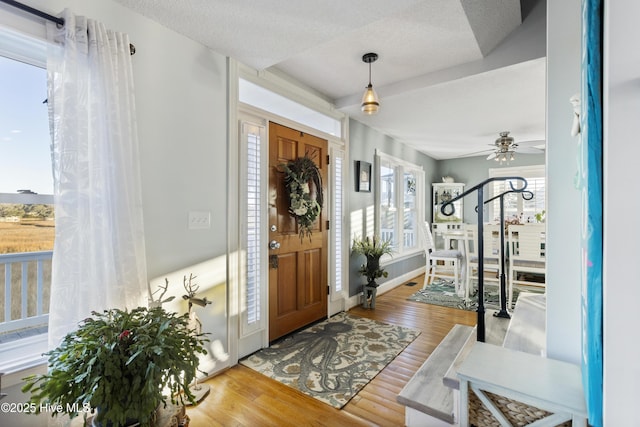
(333, 360)
(442, 292)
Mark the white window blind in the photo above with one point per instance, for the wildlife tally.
(338, 214)
(253, 188)
(515, 206)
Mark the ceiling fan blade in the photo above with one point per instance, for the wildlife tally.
(491, 156)
(532, 143)
(473, 154)
(529, 150)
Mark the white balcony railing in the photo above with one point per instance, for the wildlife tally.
(27, 281)
(408, 235)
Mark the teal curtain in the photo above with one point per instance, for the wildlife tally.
(591, 186)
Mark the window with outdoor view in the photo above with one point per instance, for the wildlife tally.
(26, 200)
(517, 207)
(400, 186)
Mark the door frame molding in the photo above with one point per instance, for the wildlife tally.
(337, 301)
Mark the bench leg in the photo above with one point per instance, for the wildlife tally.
(463, 409)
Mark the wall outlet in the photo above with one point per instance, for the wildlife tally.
(199, 220)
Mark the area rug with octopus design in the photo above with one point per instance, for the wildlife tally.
(334, 359)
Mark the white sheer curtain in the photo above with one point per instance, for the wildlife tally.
(99, 254)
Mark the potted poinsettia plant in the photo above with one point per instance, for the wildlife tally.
(373, 248)
(124, 364)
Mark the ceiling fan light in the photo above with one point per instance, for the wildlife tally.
(370, 101)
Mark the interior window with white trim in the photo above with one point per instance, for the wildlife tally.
(517, 207)
(399, 190)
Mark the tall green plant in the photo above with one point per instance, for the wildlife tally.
(121, 362)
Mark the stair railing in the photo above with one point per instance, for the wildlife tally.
(449, 209)
(526, 195)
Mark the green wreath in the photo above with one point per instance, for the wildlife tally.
(298, 174)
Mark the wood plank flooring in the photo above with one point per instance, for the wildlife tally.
(242, 397)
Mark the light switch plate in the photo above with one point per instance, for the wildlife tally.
(199, 220)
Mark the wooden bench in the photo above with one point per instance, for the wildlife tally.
(428, 401)
(432, 396)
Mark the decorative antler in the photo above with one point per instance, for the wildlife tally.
(158, 302)
(190, 288)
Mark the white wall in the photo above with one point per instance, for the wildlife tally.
(181, 97)
(621, 203)
(563, 199)
(182, 125)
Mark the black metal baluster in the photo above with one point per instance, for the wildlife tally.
(480, 192)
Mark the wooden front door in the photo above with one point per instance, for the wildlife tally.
(297, 266)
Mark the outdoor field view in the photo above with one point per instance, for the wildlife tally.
(26, 227)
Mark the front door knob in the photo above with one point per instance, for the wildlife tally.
(274, 245)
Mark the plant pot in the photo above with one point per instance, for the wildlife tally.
(373, 270)
(130, 422)
(373, 264)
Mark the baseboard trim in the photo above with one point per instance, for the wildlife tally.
(386, 286)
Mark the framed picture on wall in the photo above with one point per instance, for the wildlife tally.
(363, 176)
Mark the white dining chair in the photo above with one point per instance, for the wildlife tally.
(527, 254)
(441, 263)
(492, 254)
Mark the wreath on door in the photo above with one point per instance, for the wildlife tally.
(299, 174)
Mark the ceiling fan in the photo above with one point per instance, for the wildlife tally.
(505, 147)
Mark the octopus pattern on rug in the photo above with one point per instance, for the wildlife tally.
(332, 360)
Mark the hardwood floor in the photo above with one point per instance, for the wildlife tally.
(243, 397)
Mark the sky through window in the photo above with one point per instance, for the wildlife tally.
(25, 154)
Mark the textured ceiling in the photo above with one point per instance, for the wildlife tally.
(451, 74)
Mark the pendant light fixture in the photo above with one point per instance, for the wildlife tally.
(370, 102)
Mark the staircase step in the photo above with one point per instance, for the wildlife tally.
(426, 391)
(450, 378)
(527, 331)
